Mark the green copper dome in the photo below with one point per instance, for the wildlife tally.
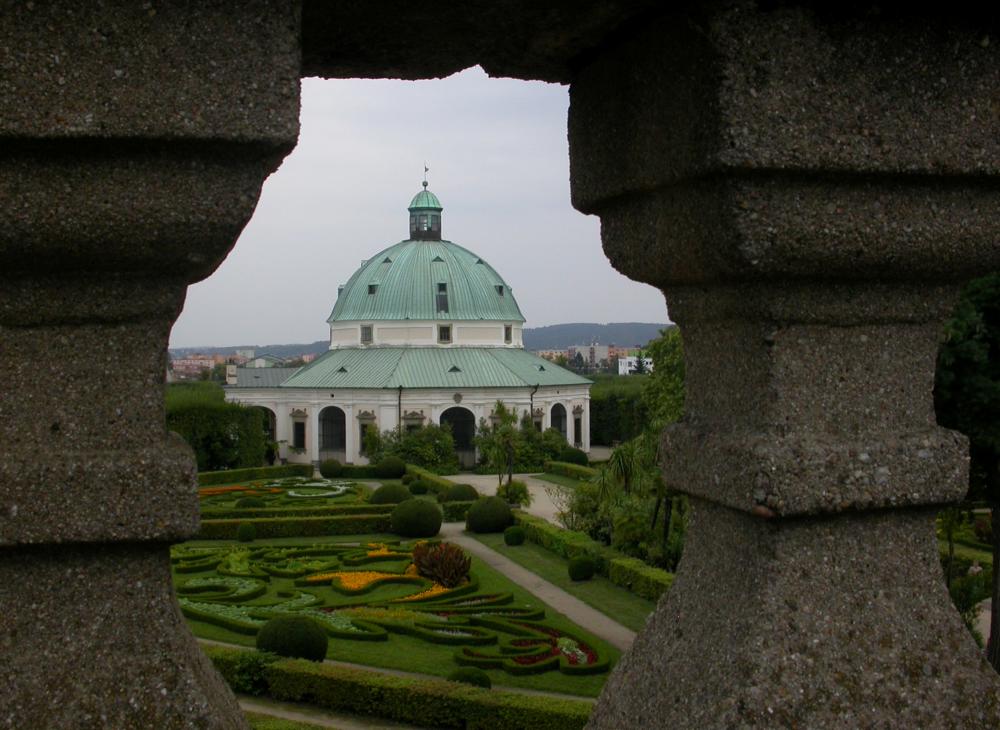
(405, 281)
(425, 199)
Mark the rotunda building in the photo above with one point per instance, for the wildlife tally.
(425, 331)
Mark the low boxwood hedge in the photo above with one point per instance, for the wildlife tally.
(630, 573)
(424, 702)
(435, 483)
(328, 511)
(232, 476)
(455, 511)
(296, 526)
(574, 471)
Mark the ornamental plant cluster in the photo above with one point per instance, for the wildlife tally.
(444, 563)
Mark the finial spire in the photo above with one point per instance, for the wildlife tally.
(426, 170)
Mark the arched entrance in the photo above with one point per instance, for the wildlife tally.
(463, 430)
(332, 434)
(558, 419)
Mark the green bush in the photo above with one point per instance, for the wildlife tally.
(488, 514)
(514, 535)
(222, 435)
(358, 471)
(417, 487)
(572, 455)
(391, 467)
(331, 469)
(581, 568)
(299, 637)
(390, 494)
(456, 511)
(243, 669)
(406, 479)
(574, 471)
(250, 503)
(416, 518)
(435, 483)
(431, 447)
(246, 532)
(471, 675)
(515, 492)
(461, 493)
(234, 476)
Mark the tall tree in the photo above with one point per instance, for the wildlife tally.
(967, 398)
(663, 390)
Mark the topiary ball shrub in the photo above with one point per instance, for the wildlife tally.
(488, 514)
(581, 568)
(249, 502)
(416, 518)
(406, 479)
(299, 637)
(331, 468)
(514, 535)
(418, 487)
(471, 675)
(461, 493)
(246, 532)
(574, 456)
(391, 467)
(390, 494)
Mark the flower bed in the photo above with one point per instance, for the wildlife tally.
(372, 592)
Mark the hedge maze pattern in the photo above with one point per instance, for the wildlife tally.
(289, 493)
(368, 592)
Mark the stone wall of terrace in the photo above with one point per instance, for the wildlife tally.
(808, 187)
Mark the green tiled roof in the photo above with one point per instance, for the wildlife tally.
(430, 367)
(401, 282)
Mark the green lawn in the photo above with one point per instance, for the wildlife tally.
(559, 479)
(409, 653)
(600, 593)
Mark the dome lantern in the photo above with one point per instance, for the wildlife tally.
(425, 216)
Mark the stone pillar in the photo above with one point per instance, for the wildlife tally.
(808, 189)
(135, 140)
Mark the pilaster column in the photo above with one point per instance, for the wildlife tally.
(134, 143)
(312, 434)
(808, 189)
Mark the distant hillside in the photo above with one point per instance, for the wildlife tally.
(561, 336)
(279, 350)
(553, 337)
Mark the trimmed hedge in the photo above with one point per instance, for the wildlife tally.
(574, 471)
(639, 578)
(424, 702)
(390, 494)
(435, 483)
(328, 511)
(631, 574)
(296, 526)
(232, 476)
(455, 511)
(294, 636)
(488, 514)
(358, 471)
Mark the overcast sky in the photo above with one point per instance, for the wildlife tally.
(499, 163)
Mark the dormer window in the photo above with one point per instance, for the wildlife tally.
(442, 297)
(372, 288)
(444, 333)
(500, 290)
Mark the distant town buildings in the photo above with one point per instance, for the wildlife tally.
(630, 364)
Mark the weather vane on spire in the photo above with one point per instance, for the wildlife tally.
(426, 170)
